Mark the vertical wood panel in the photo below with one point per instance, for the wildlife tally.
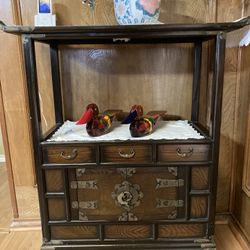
(227, 11)
(15, 103)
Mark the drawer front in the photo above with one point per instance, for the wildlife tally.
(183, 152)
(69, 154)
(126, 154)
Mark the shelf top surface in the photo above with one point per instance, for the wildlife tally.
(138, 31)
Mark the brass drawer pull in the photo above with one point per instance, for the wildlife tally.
(184, 154)
(71, 156)
(127, 155)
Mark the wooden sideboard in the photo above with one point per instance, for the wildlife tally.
(144, 194)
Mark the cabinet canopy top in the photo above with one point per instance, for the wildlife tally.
(123, 31)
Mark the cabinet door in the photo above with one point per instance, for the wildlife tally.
(127, 194)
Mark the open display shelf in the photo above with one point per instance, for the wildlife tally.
(118, 192)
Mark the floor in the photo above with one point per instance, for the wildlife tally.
(5, 203)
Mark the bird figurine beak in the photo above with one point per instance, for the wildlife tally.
(91, 111)
(86, 117)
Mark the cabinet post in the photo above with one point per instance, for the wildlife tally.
(56, 83)
(196, 81)
(35, 118)
(218, 78)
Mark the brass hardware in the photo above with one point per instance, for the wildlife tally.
(127, 155)
(71, 156)
(166, 183)
(127, 217)
(91, 184)
(126, 172)
(184, 154)
(169, 203)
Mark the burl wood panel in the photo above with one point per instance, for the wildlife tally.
(194, 152)
(56, 209)
(181, 230)
(69, 154)
(127, 231)
(148, 179)
(54, 180)
(142, 153)
(101, 194)
(199, 177)
(73, 232)
(107, 182)
(199, 206)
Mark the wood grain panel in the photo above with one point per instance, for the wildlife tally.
(199, 206)
(181, 230)
(246, 171)
(187, 11)
(199, 178)
(103, 75)
(73, 232)
(56, 209)
(15, 103)
(194, 152)
(69, 154)
(127, 231)
(106, 179)
(227, 11)
(142, 153)
(54, 180)
(148, 179)
(240, 201)
(45, 86)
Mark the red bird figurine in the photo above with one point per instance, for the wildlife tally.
(97, 124)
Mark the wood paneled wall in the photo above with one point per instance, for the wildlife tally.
(15, 101)
(75, 13)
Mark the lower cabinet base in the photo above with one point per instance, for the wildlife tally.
(187, 245)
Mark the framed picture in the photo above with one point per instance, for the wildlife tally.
(44, 7)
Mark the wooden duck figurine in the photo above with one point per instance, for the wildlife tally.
(97, 124)
(144, 125)
(135, 112)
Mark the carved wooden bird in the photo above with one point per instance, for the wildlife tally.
(97, 124)
(145, 125)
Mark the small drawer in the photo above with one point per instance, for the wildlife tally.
(126, 153)
(69, 154)
(183, 152)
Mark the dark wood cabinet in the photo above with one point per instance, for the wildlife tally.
(143, 194)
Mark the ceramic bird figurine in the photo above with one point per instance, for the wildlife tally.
(97, 124)
(144, 125)
(135, 112)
